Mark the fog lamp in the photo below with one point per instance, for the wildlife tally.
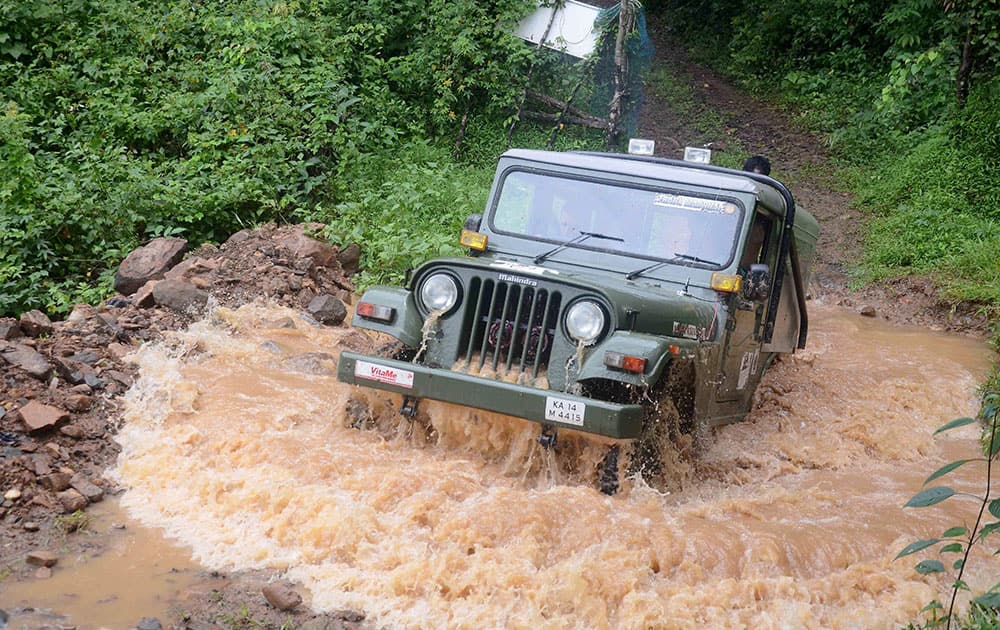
(697, 155)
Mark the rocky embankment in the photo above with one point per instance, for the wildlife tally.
(62, 380)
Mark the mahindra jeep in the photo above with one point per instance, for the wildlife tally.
(622, 296)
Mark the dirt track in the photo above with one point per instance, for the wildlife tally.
(800, 160)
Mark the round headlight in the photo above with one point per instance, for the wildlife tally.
(439, 292)
(585, 321)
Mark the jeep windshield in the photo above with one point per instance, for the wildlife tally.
(645, 222)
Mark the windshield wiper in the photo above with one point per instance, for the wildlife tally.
(573, 241)
(632, 275)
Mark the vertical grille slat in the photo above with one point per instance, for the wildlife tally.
(474, 320)
(489, 323)
(531, 326)
(541, 338)
(521, 294)
(511, 294)
(509, 322)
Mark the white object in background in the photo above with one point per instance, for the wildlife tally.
(572, 31)
(697, 154)
(638, 146)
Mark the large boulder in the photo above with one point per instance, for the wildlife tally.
(327, 309)
(180, 296)
(149, 262)
(302, 246)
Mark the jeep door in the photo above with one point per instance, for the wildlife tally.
(742, 358)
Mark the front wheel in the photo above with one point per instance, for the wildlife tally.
(662, 454)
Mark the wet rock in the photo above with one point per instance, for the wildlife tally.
(281, 595)
(868, 311)
(43, 573)
(35, 323)
(79, 402)
(71, 371)
(72, 431)
(143, 297)
(319, 363)
(149, 262)
(178, 295)
(120, 377)
(27, 359)
(37, 417)
(149, 623)
(57, 481)
(119, 351)
(350, 258)
(284, 322)
(81, 313)
(91, 492)
(302, 246)
(9, 329)
(93, 381)
(350, 616)
(237, 238)
(327, 309)
(71, 500)
(181, 269)
(41, 465)
(87, 356)
(42, 500)
(41, 558)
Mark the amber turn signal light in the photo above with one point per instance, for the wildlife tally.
(474, 240)
(726, 282)
(625, 362)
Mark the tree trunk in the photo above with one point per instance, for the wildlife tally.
(626, 24)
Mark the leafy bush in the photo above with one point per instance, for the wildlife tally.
(959, 540)
(122, 121)
(406, 206)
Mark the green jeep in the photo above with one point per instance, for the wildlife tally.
(630, 297)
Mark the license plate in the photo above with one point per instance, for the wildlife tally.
(564, 410)
(383, 374)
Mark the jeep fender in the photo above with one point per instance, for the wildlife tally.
(655, 349)
(406, 323)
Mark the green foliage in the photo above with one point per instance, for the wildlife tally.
(121, 121)
(960, 539)
(406, 206)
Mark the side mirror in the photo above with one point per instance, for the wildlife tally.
(473, 222)
(758, 283)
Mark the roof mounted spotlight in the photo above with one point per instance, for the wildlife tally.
(638, 146)
(698, 155)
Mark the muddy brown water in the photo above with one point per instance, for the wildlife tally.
(237, 446)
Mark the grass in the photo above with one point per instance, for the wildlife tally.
(76, 522)
(676, 90)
